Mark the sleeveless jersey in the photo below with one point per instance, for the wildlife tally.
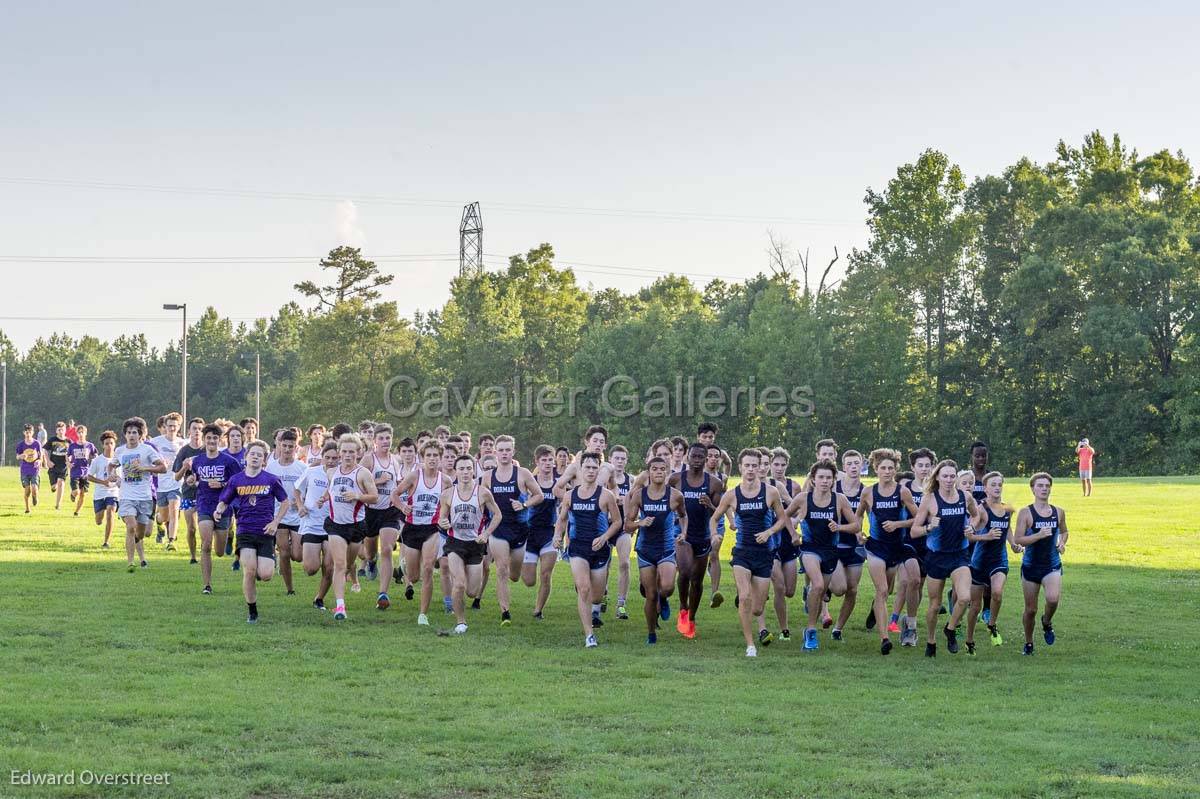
(993, 550)
(751, 516)
(466, 516)
(585, 519)
(622, 492)
(697, 515)
(816, 523)
(977, 490)
(392, 471)
(505, 491)
(886, 509)
(948, 536)
(917, 495)
(344, 511)
(426, 499)
(659, 537)
(542, 515)
(848, 540)
(1044, 552)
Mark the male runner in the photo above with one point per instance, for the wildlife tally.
(514, 491)
(30, 456)
(212, 470)
(287, 470)
(1042, 531)
(168, 444)
(80, 455)
(251, 492)
(850, 559)
(701, 495)
(618, 458)
(56, 451)
(138, 461)
(351, 489)
(187, 480)
(889, 509)
(382, 517)
(753, 502)
(989, 561)
(589, 517)
(418, 496)
(540, 554)
(104, 500)
(308, 497)
(461, 514)
(658, 516)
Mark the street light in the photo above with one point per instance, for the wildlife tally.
(183, 380)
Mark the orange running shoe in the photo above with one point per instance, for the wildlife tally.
(681, 624)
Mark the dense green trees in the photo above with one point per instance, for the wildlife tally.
(1026, 308)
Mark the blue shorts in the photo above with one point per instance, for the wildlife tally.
(596, 559)
(655, 559)
(786, 552)
(854, 556)
(758, 562)
(1035, 573)
(30, 480)
(165, 497)
(983, 571)
(827, 555)
(187, 503)
(102, 503)
(892, 553)
(942, 564)
(701, 547)
(221, 525)
(513, 534)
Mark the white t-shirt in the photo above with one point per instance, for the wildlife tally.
(99, 468)
(312, 485)
(168, 448)
(288, 475)
(136, 483)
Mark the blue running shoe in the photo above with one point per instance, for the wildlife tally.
(1048, 634)
(448, 603)
(652, 638)
(237, 565)
(987, 615)
(810, 640)
(664, 608)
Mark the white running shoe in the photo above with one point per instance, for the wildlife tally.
(751, 651)
(591, 641)
(460, 628)
(422, 620)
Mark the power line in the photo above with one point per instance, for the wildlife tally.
(493, 205)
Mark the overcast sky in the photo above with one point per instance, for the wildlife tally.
(636, 138)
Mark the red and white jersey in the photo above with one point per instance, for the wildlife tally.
(389, 469)
(344, 511)
(466, 516)
(426, 499)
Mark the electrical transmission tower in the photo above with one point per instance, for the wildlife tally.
(470, 241)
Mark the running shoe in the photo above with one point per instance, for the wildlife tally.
(971, 648)
(460, 628)
(475, 603)
(664, 608)
(811, 643)
(765, 638)
(191, 562)
(372, 570)
(158, 538)
(785, 634)
(132, 568)
(252, 618)
(885, 646)
(291, 592)
(422, 620)
(408, 593)
(538, 616)
(590, 642)
(651, 639)
(893, 626)
(362, 571)
(1047, 633)
(319, 604)
(1028, 650)
(690, 632)
(681, 623)
(717, 599)
(751, 651)
(930, 650)
(596, 620)
(237, 566)
(835, 634)
(951, 639)
(170, 546)
(105, 546)
(995, 635)
(622, 613)
(505, 618)
(339, 613)
(383, 602)
(207, 590)
(146, 565)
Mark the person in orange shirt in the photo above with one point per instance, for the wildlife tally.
(1086, 454)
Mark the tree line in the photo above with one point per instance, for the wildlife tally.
(1024, 309)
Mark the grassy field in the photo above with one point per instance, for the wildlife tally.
(117, 672)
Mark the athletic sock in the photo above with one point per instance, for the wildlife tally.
(595, 608)
(253, 607)
(895, 617)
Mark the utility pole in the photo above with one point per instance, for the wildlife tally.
(258, 388)
(470, 241)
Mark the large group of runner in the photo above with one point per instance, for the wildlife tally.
(344, 503)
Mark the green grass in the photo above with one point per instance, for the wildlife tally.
(114, 672)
